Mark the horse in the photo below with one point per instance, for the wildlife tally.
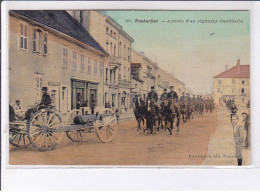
(151, 115)
(162, 115)
(140, 110)
(172, 111)
(184, 111)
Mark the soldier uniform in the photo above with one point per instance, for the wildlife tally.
(152, 96)
(172, 94)
(163, 96)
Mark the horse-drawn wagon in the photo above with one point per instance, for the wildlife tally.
(45, 127)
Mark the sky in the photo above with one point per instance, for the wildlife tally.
(187, 49)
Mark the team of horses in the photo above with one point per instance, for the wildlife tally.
(150, 115)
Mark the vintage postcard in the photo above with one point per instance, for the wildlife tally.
(129, 88)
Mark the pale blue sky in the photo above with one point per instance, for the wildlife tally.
(187, 49)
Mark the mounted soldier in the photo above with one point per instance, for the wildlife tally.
(152, 100)
(173, 110)
(172, 93)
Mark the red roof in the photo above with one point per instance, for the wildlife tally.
(238, 71)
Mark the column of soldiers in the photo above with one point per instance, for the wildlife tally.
(198, 105)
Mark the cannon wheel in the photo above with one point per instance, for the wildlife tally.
(107, 128)
(18, 136)
(43, 130)
(74, 135)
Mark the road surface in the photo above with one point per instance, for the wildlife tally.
(129, 148)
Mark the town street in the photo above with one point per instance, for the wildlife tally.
(128, 148)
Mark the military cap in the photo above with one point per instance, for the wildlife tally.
(171, 86)
(44, 88)
(152, 87)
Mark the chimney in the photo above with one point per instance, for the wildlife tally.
(238, 62)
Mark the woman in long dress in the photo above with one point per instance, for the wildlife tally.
(238, 134)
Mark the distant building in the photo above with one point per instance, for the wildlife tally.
(147, 71)
(234, 83)
(51, 49)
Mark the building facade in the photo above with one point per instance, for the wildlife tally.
(44, 55)
(234, 84)
(111, 36)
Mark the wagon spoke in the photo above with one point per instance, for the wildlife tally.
(50, 139)
(19, 138)
(54, 136)
(110, 128)
(109, 131)
(54, 121)
(14, 137)
(42, 140)
(50, 118)
(23, 140)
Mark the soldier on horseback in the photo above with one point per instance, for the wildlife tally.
(152, 100)
(173, 109)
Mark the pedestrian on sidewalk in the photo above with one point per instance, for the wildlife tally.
(238, 134)
(246, 120)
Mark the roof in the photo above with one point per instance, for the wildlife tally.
(238, 71)
(62, 22)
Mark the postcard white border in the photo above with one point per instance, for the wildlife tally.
(135, 177)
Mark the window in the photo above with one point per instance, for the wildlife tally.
(23, 37)
(218, 90)
(106, 75)
(128, 73)
(119, 73)
(45, 40)
(124, 55)
(101, 68)
(74, 65)
(242, 91)
(119, 50)
(38, 87)
(233, 90)
(114, 35)
(107, 45)
(111, 47)
(243, 82)
(89, 65)
(82, 62)
(219, 81)
(114, 50)
(124, 72)
(233, 81)
(65, 57)
(95, 67)
(128, 54)
(111, 75)
(107, 30)
(37, 40)
(111, 32)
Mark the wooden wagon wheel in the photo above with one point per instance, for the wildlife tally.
(18, 135)
(45, 130)
(107, 127)
(76, 135)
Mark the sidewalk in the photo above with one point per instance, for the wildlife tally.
(221, 147)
